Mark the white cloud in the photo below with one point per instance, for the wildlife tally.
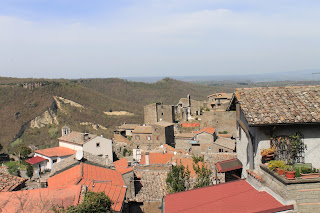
(193, 42)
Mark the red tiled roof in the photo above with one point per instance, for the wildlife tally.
(190, 124)
(35, 160)
(122, 166)
(9, 182)
(209, 130)
(111, 184)
(187, 162)
(236, 196)
(39, 200)
(157, 158)
(56, 151)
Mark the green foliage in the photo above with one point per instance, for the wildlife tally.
(124, 152)
(178, 179)
(93, 202)
(16, 143)
(203, 178)
(197, 159)
(223, 132)
(207, 109)
(29, 170)
(129, 138)
(24, 151)
(289, 168)
(276, 164)
(13, 168)
(53, 132)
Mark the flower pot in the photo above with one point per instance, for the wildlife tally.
(310, 175)
(280, 171)
(290, 175)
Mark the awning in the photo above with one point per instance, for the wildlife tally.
(229, 165)
(35, 160)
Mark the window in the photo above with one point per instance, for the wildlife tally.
(157, 137)
(54, 161)
(97, 144)
(137, 137)
(220, 150)
(149, 137)
(161, 113)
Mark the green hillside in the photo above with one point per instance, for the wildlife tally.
(19, 105)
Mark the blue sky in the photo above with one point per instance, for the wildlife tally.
(127, 38)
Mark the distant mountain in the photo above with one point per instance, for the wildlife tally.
(305, 75)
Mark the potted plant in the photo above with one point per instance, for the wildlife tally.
(307, 173)
(267, 155)
(278, 166)
(290, 172)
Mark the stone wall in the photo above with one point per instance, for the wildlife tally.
(303, 193)
(150, 113)
(183, 144)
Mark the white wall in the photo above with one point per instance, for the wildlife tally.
(70, 146)
(105, 148)
(262, 136)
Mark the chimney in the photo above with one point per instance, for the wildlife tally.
(147, 158)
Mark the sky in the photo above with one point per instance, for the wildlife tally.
(133, 38)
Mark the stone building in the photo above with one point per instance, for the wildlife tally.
(279, 112)
(182, 141)
(157, 112)
(187, 108)
(149, 137)
(218, 100)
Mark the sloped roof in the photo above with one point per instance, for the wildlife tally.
(35, 160)
(226, 142)
(39, 200)
(56, 151)
(76, 138)
(10, 182)
(163, 123)
(185, 135)
(227, 197)
(106, 180)
(187, 162)
(157, 158)
(167, 149)
(280, 105)
(209, 130)
(128, 126)
(143, 130)
(122, 166)
(229, 165)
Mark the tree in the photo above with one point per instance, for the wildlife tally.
(203, 173)
(178, 179)
(29, 171)
(92, 202)
(24, 151)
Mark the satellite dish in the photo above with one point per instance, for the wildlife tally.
(79, 155)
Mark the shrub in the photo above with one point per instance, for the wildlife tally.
(276, 164)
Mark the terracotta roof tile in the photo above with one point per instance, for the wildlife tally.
(227, 197)
(39, 200)
(35, 160)
(9, 182)
(112, 183)
(280, 105)
(122, 166)
(157, 158)
(209, 130)
(56, 151)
